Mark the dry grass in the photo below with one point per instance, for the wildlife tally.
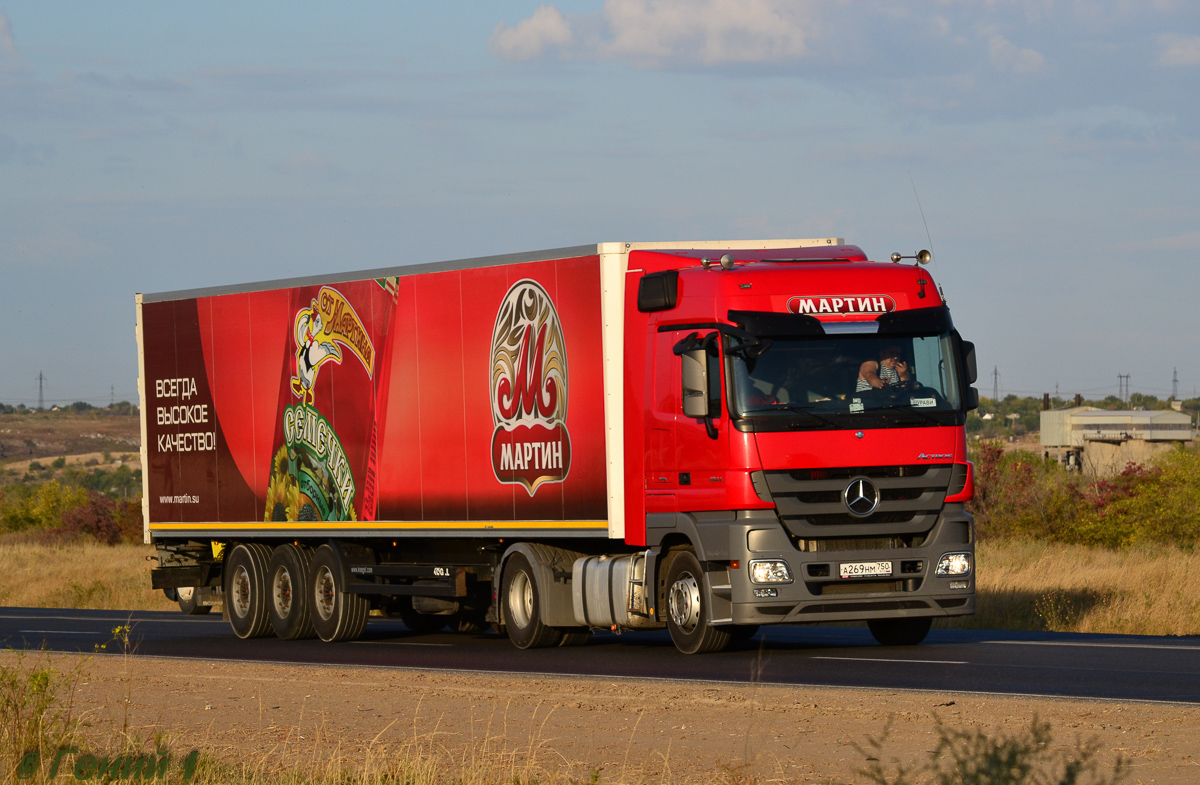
(81, 575)
(1148, 590)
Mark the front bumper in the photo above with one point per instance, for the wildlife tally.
(817, 593)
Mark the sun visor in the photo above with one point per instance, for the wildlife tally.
(769, 323)
(918, 320)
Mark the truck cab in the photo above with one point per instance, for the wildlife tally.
(803, 414)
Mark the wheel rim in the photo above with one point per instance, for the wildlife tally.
(520, 600)
(239, 587)
(281, 592)
(185, 593)
(683, 602)
(325, 598)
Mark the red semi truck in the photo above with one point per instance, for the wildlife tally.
(706, 436)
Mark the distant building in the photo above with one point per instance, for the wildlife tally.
(1102, 442)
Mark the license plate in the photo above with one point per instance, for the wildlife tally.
(860, 569)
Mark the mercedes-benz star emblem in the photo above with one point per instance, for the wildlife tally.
(861, 497)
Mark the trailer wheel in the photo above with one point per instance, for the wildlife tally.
(900, 632)
(186, 597)
(418, 623)
(687, 611)
(469, 621)
(246, 590)
(336, 614)
(287, 575)
(519, 601)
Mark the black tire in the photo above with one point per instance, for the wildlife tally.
(468, 621)
(417, 623)
(186, 597)
(521, 608)
(287, 577)
(337, 615)
(575, 636)
(900, 632)
(687, 607)
(246, 592)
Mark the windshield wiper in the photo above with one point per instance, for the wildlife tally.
(806, 411)
(906, 409)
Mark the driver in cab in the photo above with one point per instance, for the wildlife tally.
(889, 371)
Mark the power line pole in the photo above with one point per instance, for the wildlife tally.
(41, 379)
(1174, 384)
(112, 395)
(995, 382)
(1123, 387)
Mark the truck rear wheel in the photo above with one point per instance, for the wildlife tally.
(687, 607)
(337, 615)
(900, 632)
(287, 575)
(521, 608)
(246, 590)
(186, 597)
(417, 623)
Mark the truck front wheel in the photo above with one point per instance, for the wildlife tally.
(337, 614)
(246, 590)
(521, 607)
(687, 607)
(900, 632)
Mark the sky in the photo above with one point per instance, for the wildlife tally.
(1051, 147)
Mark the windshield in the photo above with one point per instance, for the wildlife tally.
(847, 375)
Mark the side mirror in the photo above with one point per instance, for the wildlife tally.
(969, 362)
(971, 399)
(695, 383)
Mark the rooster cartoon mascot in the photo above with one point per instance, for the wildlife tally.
(313, 348)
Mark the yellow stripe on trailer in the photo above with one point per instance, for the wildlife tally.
(377, 525)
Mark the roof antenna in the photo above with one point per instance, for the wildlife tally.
(928, 237)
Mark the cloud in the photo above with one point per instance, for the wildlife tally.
(659, 33)
(706, 32)
(7, 48)
(1179, 242)
(1179, 50)
(547, 29)
(1005, 56)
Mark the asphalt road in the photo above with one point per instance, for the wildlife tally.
(1120, 667)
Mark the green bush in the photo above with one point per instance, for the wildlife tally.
(25, 507)
(975, 758)
(1020, 495)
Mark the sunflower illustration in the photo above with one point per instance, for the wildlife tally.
(283, 499)
(279, 464)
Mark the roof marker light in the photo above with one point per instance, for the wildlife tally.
(921, 256)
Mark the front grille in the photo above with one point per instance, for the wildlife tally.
(846, 519)
(859, 543)
(811, 505)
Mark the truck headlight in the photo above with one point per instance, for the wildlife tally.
(770, 571)
(954, 564)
